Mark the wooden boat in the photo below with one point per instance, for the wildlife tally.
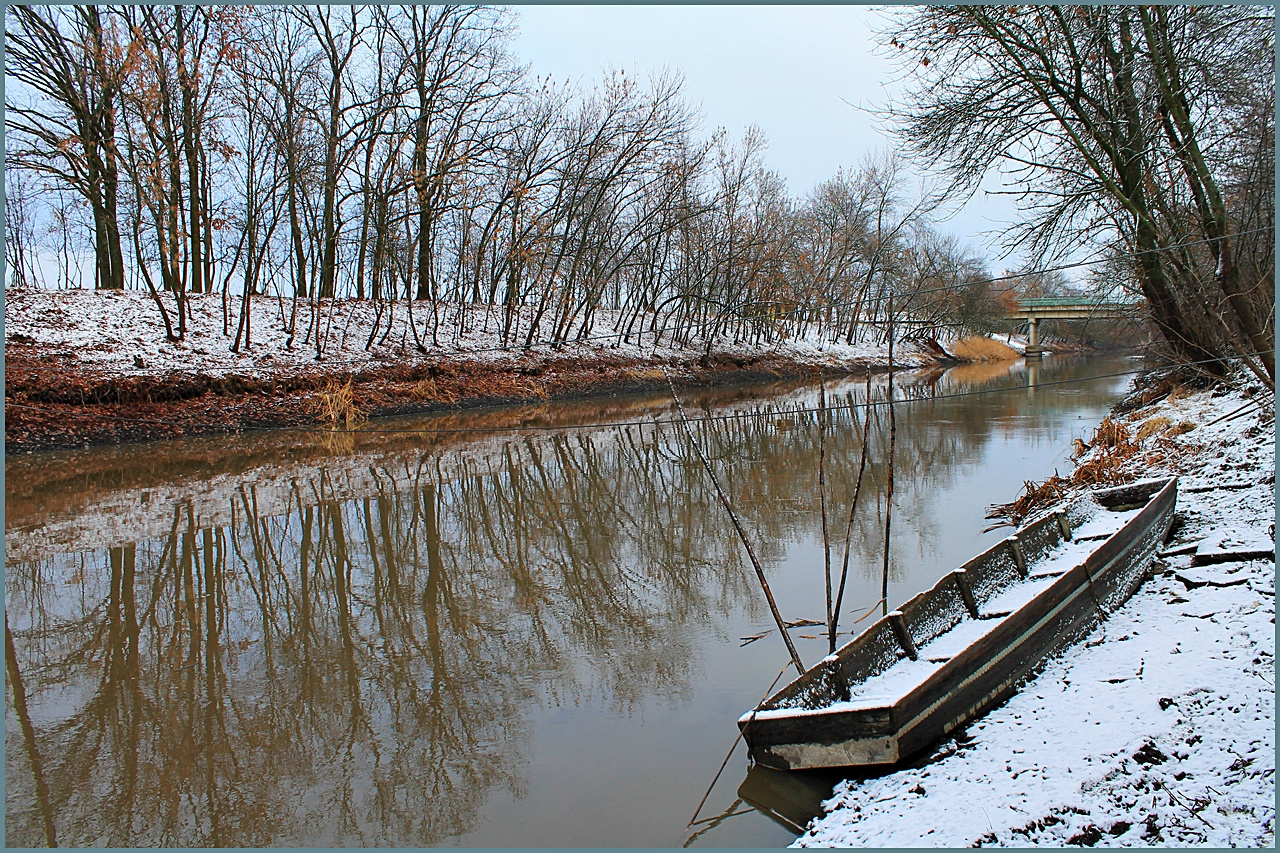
(952, 652)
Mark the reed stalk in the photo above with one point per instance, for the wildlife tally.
(822, 489)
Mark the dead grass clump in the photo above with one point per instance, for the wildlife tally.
(1153, 426)
(978, 348)
(1111, 434)
(1112, 448)
(653, 373)
(1105, 469)
(336, 405)
(1106, 462)
(1034, 496)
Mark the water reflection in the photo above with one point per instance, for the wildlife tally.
(790, 799)
(261, 642)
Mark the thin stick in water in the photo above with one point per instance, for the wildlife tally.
(822, 490)
(888, 510)
(724, 763)
(853, 508)
(737, 525)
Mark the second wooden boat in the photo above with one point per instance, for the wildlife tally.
(954, 651)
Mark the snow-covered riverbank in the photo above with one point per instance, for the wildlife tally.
(89, 367)
(1159, 729)
(120, 333)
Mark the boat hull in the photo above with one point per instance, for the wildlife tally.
(981, 675)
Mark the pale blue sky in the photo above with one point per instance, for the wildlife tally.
(799, 72)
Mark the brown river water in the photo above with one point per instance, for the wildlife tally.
(517, 627)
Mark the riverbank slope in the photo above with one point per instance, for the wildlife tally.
(1158, 729)
(89, 368)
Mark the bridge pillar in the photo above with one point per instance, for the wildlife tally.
(1034, 350)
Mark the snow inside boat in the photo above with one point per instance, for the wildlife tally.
(952, 652)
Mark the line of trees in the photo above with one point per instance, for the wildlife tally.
(403, 155)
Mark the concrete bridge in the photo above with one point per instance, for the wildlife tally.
(1035, 310)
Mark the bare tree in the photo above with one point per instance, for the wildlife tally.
(19, 229)
(71, 64)
(458, 77)
(1109, 115)
(340, 37)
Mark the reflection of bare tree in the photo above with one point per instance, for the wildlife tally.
(28, 738)
(341, 668)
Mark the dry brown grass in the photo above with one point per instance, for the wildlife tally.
(977, 348)
(336, 405)
(1153, 426)
(652, 373)
(1106, 469)
(430, 391)
(1034, 496)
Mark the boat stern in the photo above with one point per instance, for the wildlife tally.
(810, 756)
(837, 736)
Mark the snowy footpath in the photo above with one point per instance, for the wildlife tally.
(1158, 729)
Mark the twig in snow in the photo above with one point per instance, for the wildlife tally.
(1233, 414)
(1163, 787)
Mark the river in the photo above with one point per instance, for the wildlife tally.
(516, 627)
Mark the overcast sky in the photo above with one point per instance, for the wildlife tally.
(810, 77)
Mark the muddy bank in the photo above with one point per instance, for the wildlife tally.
(54, 403)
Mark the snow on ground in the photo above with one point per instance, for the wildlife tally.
(121, 333)
(1159, 729)
(1017, 343)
